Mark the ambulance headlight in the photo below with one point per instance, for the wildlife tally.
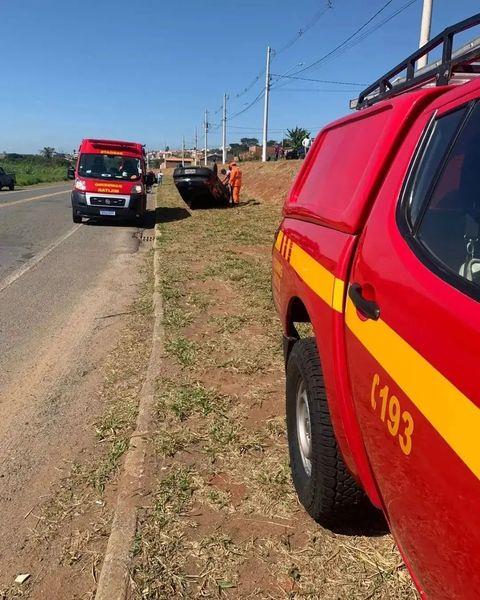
(80, 185)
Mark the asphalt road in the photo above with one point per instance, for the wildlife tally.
(46, 264)
(63, 289)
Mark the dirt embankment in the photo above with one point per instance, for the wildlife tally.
(269, 181)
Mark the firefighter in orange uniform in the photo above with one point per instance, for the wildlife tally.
(235, 182)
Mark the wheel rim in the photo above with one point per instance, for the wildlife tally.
(304, 430)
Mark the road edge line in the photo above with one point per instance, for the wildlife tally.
(25, 200)
(114, 577)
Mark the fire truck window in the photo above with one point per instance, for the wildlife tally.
(450, 227)
(435, 148)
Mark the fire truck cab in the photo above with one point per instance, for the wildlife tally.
(379, 251)
(109, 181)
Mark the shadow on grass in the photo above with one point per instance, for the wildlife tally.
(248, 203)
(167, 214)
(212, 204)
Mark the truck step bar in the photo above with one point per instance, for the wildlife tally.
(454, 67)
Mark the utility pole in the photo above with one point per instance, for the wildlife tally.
(425, 30)
(196, 146)
(265, 109)
(183, 151)
(206, 136)
(224, 130)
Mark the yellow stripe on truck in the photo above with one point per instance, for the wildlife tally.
(279, 240)
(319, 279)
(448, 410)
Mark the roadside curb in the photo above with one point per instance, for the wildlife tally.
(113, 583)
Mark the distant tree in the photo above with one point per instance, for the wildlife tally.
(237, 149)
(271, 142)
(249, 141)
(296, 136)
(47, 152)
(167, 148)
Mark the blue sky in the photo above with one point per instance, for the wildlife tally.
(145, 70)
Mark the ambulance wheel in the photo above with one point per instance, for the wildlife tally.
(324, 486)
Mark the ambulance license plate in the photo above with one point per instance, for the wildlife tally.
(107, 213)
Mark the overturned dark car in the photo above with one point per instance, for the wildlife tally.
(199, 186)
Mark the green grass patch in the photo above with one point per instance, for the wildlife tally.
(35, 169)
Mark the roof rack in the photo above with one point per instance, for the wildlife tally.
(438, 73)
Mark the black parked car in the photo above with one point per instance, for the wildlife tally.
(7, 179)
(199, 186)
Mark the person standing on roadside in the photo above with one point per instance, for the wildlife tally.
(215, 168)
(149, 180)
(235, 182)
(224, 179)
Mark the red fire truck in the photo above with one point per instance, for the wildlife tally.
(379, 250)
(109, 181)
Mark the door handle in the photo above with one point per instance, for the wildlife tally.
(367, 308)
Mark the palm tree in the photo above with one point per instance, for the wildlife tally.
(296, 136)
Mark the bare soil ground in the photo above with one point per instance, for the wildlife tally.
(224, 520)
(74, 408)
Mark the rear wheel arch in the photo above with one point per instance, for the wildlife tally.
(296, 314)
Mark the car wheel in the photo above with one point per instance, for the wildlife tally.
(76, 218)
(324, 486)
(11, 187)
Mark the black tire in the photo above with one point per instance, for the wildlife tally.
(11, 187)
(76, 218)
(140, 221)
(329, 493)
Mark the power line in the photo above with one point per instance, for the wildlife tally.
(340, 90)
(356, 32)
(303, 30)
(343, 45)
(252, 103)
(375, 27)
(319, 80)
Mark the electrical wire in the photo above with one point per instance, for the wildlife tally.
(303, 30)
(319, 80)
(252, 103)
(340, 90)
(375, 27)
(350, 42)
(346, 40)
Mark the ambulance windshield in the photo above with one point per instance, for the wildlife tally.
(109, 166)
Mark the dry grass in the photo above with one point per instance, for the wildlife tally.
(225, 521)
